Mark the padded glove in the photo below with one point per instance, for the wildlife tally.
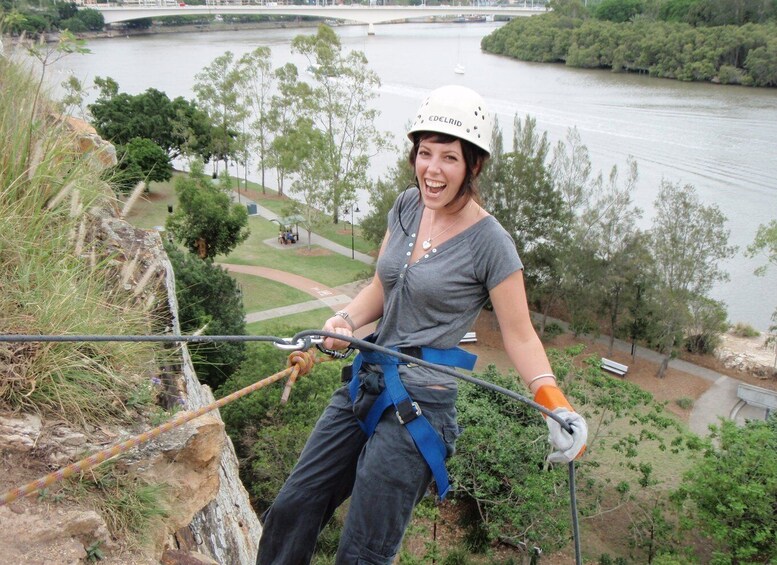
(568, 446)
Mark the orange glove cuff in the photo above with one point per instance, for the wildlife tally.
(551, 397)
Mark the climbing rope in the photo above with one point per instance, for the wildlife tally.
(301, 364)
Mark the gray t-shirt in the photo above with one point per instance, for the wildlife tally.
(434, 301)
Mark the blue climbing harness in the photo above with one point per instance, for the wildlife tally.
(409, 414)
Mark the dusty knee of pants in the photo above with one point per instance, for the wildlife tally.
(355, 552)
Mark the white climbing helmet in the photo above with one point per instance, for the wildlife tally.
(457, 111)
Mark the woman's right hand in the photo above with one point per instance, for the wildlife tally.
(336, 324)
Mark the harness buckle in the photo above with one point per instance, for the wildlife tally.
(407, 411)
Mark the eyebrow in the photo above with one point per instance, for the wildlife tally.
(423, 145)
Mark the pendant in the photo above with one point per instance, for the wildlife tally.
(426, 244)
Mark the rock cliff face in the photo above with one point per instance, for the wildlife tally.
(227, 527)
(210, 519)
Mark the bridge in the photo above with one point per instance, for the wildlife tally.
(357, 13)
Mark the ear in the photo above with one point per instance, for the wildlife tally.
(478, 167)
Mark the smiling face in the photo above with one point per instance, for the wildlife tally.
(445, 169)
(441, 170)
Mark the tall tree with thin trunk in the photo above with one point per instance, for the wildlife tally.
(765, 242)
(217, 88)
(288, 113)
(258, 79)
(689, 242)
(344, 88)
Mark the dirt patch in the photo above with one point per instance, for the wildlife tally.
(675, 385)
(313, 252)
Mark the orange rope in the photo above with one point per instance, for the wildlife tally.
(299, 363)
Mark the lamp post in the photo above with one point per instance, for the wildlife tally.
(351, 212)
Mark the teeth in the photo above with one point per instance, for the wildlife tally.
(435, 184)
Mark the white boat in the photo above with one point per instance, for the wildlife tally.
(459, 69)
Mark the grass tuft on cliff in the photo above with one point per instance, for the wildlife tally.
(54, 276)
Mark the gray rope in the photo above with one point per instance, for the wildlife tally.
(303, 341)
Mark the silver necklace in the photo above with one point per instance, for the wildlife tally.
(427, 243)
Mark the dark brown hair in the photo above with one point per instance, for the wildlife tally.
(474, 159)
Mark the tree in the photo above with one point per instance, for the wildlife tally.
(521, 195)
(689, 241)
(345, 87)
(206, 221)
(766, 242)
(177, 126)
(141, 160)
(217, 88)
(258, 81)
(209, 298)
(382, 197)
(310, 148)
(729, 495)
(288, 109)
(93, 19)
(606, 254)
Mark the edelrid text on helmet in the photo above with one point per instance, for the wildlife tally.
(457, 111)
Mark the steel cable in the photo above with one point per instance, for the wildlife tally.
(302, 341)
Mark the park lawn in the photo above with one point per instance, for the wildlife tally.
(328, 268)
(289, 325)
(263, 294)
(150, 210)
(321, 265)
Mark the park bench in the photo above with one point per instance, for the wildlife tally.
(469, 337)
(758, 397)
(614, 367)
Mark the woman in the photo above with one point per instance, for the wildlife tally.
(443, 257)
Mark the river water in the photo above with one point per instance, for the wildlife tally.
(721, 139)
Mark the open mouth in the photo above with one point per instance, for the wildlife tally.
(435, 187)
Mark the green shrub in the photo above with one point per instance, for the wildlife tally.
(744, 330)
(685, 402)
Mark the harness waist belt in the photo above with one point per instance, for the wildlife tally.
(409, 414)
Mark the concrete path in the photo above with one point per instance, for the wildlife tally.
(718, 401)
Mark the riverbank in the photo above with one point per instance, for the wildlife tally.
(158, 29)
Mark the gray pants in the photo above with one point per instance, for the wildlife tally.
(384, 475)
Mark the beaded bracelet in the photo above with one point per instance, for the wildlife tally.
(345, 316)
(542, 376)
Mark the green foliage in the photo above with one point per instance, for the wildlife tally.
(617, 10)
(340, 111)
(269, 436)
(92, 19)
(552, 330)
(177, 126)
(131, 507)
(743, 53)
(689, 242)
(140, 160)
(498, 470)
(709, 322)
(741, 329)
(729, 494)
(685, 402)
(382, 198)
(206, 221)
(48, 285)
(208, 298)
(217, 88)
(75, 25)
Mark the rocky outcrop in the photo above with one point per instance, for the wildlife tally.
(209, 519)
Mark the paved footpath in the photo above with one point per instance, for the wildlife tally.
(324, 296)
(719, 401)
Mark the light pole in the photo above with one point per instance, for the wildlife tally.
(351, 212)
